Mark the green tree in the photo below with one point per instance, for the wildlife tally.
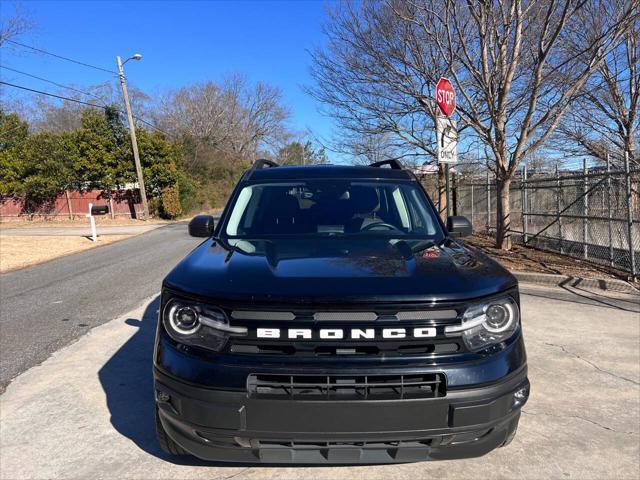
(13, 132)
(45, 164)
(104, 157)
(297, 153)
(160, 160)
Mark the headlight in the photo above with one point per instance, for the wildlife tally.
(488, 323)
(198, 324)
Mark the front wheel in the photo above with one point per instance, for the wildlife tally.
(166, 443)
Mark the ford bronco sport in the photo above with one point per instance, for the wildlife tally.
(331, 317)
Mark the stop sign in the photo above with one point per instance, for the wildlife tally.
(445, 96)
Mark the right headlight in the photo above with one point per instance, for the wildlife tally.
(488, 323)
(199, 324)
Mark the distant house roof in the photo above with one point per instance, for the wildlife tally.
(428, 169)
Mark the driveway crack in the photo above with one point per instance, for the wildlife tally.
(584, 419)
(234, 475)
(588, 362)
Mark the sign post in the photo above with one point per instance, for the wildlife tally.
(446, 132)
(92, 222)
(95, 210)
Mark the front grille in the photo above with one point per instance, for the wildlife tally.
(310, 349)
(346, 387)
(344, 316)
(368, 323)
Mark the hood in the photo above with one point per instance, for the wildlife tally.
(329, 270)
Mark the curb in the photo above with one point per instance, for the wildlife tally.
(610, 284)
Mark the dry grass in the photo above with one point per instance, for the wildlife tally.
(81, 221)
(527, 259)
(22, 251)
(77, 222)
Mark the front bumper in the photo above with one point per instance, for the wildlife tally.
(229, 426)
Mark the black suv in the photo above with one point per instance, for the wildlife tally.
(331, 317)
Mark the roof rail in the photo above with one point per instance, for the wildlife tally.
(263, 163)
(393, 163)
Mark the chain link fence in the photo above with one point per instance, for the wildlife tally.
(592, 214)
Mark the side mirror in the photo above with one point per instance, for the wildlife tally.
(201, 226)
(459, 226)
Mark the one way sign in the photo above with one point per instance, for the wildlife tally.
(447, 137)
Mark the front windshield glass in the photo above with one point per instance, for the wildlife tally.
(333, 208)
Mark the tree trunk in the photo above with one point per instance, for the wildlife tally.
(442, 193)
(503, 215)
(66, 194)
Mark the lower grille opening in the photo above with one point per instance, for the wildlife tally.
(344, 387)
(362, 444)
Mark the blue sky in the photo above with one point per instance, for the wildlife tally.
(182, 43)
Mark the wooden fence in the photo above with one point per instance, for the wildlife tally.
(72, 204)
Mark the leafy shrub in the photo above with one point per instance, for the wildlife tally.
(171, 201)
(155, 206)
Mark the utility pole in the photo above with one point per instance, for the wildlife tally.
(132, 130)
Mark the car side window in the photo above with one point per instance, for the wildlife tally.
(420, 218)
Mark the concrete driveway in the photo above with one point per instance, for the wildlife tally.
(87, 411)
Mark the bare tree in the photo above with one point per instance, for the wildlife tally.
(516, 70)
(367, 149)
(12, 26)
(235, 118)
(605, 118)
(375, 77)
(46, 113)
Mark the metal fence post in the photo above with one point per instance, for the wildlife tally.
(525, 200)
(585, 209)
(558, 208)
(609, 209)
(454, 193)
(627, 176)
(488, 203)
(472, 207)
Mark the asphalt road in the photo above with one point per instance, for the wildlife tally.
(48, 306)
(84, 230)
(87, 412)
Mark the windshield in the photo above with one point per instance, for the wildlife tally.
(333, 208)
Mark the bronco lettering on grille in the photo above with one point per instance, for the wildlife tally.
(352, 334)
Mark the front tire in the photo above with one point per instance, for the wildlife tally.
(166, 443)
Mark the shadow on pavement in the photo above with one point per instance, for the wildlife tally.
(626, 302)
(127, 381)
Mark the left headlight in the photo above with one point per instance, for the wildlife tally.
(487, 324)
(198, 324)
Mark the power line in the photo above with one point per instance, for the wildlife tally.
(61, 97)
(61, 57)
(51, 82)
(51, 94)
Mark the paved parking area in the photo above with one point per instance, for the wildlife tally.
(86, 412)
